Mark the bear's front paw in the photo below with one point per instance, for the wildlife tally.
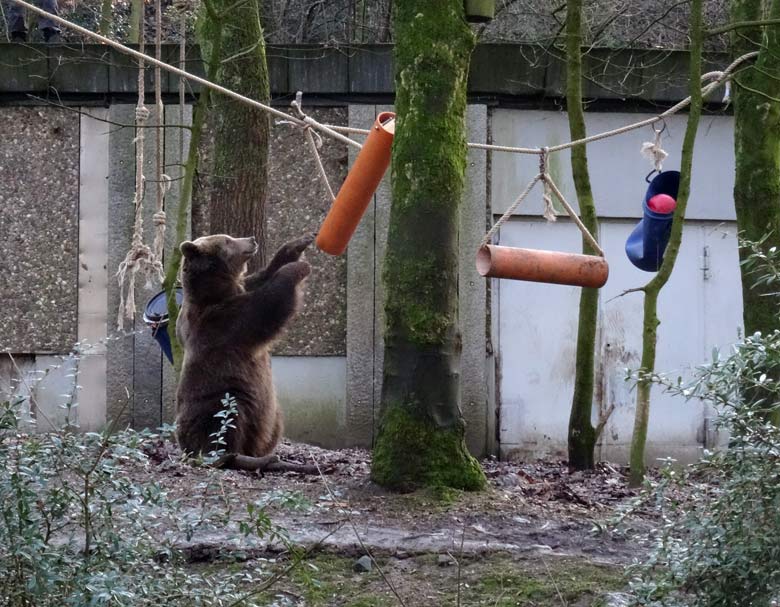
(293, 250)
(297, 271)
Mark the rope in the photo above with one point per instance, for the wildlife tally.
(179, 72)
(549, 212)
(518, 201)
(653, 151)
(140, 257)
(549, 209)
(137, 256)
(717, 77)
(313, 145)
(585, 232)
(163, 181)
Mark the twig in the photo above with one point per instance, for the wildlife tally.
(552, 579)
(626, 292)
(460, 559)
(357, 535)
(277, 576)
(603, 419)
(268, 463)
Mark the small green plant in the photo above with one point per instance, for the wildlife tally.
(77, 530)
(721, 547)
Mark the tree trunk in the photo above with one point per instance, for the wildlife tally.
(172, 271)
(239, 180)
(106, 17)
(421, 433)
(653, 288)
(757, 154)
(136, 21)
(582, 434)
(199, 119)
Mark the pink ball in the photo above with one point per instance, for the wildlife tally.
(662, 203)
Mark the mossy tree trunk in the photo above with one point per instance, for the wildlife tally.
(757, 154)
(199, 119)
(239, 181)
(136, 21)
(421, 432)
(185, 199)
(106, 17)
(582, 434)
(653, 288)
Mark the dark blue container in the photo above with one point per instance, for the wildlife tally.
(646, 245)
(156, 316)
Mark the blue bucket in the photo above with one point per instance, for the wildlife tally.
(646, 245)
(156, 317)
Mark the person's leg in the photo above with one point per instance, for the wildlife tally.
(16, 25)
(50, 29)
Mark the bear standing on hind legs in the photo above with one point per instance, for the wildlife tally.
(226, 326)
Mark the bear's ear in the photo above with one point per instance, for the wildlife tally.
(188, 249)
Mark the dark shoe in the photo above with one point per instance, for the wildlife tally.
(18, 36)
(51, 36)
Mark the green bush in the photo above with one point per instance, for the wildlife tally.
(720, 545)
(77, 529)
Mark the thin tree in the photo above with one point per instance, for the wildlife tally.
(582, 434)
(136, 21)
(653, 288)
(421, 432)
(106, 17)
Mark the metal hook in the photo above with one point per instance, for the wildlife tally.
(663, 127)
(647, 178)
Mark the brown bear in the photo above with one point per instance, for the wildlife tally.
(226, 325)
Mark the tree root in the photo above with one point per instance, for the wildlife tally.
(268, 463)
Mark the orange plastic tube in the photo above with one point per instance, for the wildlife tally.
(358, 188)
(542, 266)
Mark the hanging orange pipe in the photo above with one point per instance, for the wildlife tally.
(358, 188)
(542, 266)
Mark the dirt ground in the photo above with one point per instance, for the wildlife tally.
(538, 536)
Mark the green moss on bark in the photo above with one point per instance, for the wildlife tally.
(757, 152)
(435, 457)
(239, 181)
(582, 434)
(653, 288)
(421, 436)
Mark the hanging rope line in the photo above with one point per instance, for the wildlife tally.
(314, 146)
(163, 180)
(718, 78)
(549, 212)
(141, 256)
(653, 151)
(179, 72)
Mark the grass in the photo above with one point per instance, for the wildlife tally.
(497, 580)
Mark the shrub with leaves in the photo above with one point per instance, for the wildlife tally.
(76, 529)
(720, 547)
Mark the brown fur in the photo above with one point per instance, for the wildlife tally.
(226, 325)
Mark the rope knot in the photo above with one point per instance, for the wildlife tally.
(653, 151)
(549, 210)
(159, 218)
(142, 113)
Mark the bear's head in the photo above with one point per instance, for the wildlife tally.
(213, 266)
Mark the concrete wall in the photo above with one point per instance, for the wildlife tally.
(67, 225)
(535, 325)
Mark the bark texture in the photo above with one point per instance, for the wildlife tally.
(757, 152)
(653, 288)
(421, 434)
(582, 434)
(239, 182)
